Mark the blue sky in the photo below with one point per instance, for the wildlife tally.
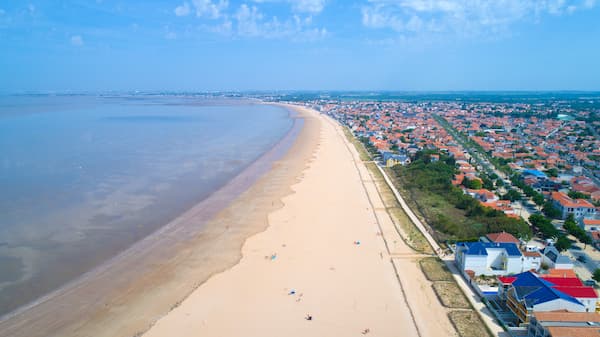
(305, 44)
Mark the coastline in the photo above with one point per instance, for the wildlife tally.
(331, 253)
(163, 264)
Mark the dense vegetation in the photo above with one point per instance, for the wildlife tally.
(370, 147)
(573, 228)
(449, 211)
(578, 195)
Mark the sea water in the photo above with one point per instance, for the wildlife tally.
(84, 177)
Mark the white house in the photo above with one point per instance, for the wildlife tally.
(489, 258)
(532, 259)
(580, 208)
(554, 259)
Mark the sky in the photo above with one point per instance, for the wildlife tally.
(216, 45)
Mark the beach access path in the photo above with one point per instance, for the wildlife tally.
(326, 255)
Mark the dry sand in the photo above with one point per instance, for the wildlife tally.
(294, 230)
(308, 262)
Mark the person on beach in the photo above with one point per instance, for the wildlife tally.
(308, 317)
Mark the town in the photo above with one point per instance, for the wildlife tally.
(531, 171)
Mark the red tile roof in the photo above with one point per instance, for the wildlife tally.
(565, 201)
(506, 279)
(564, 281)
(502, 237)
(578, 292)
(591, 222)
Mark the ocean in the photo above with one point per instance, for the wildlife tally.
(84, 177)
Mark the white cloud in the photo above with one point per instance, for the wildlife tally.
(309, 6)
(170, 36)
(77, 40)
(183, 10)
(461, 17)
(301, 6)
(248, 19)
(203, 8)
(251, 22)
(224, 28)
(210, 9)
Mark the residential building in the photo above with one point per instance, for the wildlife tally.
(591, 225)
(527, 293)
(554, 259)
(390, 159)
(580, 208)
(489, 258)
(563, 323)
(502, 237)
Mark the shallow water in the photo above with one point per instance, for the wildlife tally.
(84, 177)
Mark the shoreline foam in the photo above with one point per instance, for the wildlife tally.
(172, 275)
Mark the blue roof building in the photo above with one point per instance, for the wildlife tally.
(528, 293)
(535, 173)
(390, 159)
(489, 258)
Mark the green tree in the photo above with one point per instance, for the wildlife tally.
(596, 275)
(562, 243)
(544, 226)
(488, 184)
(511, 195)
(473, 184)
(550, 211)
(538, 198)
(570, 224)
(578, 195)
(553, 172)
(585, 239)
(529, 191)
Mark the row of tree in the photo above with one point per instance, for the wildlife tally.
(574, 229)
(546, 230)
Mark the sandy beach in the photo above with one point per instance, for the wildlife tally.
(312, 237)
(326, 254)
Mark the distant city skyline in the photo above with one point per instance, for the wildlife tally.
(215, 45)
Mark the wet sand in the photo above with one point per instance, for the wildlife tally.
(323, 255)
(128, 294)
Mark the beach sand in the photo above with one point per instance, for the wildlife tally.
(322, 255)
(311, 237)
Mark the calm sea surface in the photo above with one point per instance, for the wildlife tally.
(84, 177)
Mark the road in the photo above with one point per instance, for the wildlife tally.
(588, 263)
